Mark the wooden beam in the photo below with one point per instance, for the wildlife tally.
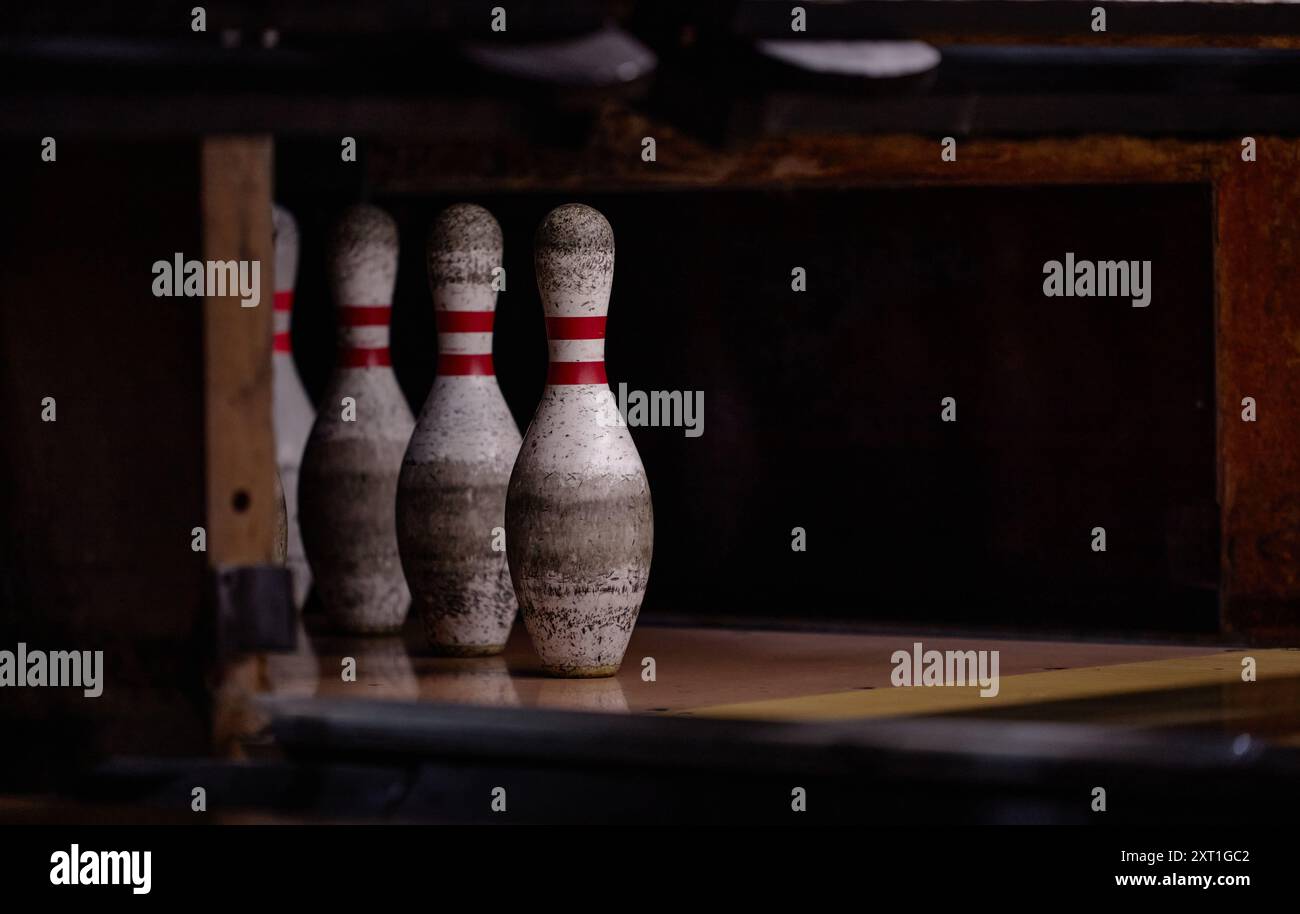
(612, 161)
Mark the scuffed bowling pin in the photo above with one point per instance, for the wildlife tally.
(451, 497)
(348, 482)
(292, 411)
(579, 524)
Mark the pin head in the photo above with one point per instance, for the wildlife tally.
(363, 257)
(284, 232)
(464, 246)
(574, 258)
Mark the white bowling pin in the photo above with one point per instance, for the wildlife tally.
(579, 524)
(348, 481)
(451, 497)
(292, 411)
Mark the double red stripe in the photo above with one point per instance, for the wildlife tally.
(576, 328)
(365, 316)
(283, 301)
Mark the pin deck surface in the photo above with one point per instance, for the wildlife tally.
(753, 674)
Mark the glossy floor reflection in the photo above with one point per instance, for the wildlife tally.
(749, 673)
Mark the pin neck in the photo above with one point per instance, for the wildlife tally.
(363, 335)
(577, 350)
(465, 342)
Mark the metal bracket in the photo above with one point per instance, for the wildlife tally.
(254, 609)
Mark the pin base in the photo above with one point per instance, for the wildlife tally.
(581, 672)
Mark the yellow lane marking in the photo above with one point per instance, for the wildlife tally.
(1026, 688)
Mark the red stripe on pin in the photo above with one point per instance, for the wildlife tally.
(365, 315)
(281, 343)
(364, 358)
(465, 321)
(575, 328)
(284, 301)
(576, 373)
(457, 364)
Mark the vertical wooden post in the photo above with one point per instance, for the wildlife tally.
(240, 448)
(235, 177)
(1257, 280)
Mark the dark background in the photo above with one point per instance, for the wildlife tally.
(821, 409)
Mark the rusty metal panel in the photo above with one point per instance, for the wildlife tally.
(1257, 286)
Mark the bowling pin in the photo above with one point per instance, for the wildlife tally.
(451, 496)
(348, 482)
(579, 524)
(292, 411)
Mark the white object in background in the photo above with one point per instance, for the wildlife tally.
(292, 412)
(872, 59)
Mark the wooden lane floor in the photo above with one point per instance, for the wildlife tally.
(810, 676)
(1204, 691)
